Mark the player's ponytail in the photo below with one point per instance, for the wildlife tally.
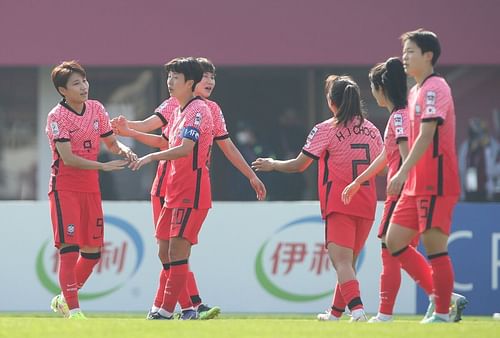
(345, 95)
(391, 77)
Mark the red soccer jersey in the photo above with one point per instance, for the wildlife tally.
(220, 129)
(436, 173)
(188, 178)
(344, 153)
(83, 132)
(163, 111)
(397, 130)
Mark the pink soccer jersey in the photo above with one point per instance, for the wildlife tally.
(83, 132)
(436, 173)
(163, 111)
(396, 130)
(188, 178)
(344, 153)
(220, 129)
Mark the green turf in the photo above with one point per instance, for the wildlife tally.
(290, 326)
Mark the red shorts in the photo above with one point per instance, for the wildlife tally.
(180, 222)
(157, 204)
(76, 218)
(389, 206)
(422, 213)
(347, 231)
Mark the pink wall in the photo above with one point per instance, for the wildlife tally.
(237, 32)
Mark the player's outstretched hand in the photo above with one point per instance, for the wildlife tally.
(263, 164)
(259, 188)
(136, 165)
(114, 165)
(349, 192)
(129, 154)
(120, 126)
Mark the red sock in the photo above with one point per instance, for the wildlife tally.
(175, 284)
(390, 281)
(192, 288)
(162, 281)
(417, 267)
(338, 304)
(67, 280)
(351, 294)
(442, 275)
(84, 267)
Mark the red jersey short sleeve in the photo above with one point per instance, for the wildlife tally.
(397, 130)
(436, 173)
(343, 153)
(83, 131)
(188, 178)
(220, 128)
(163, 111)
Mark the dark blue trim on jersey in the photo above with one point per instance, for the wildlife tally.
(308, 154)
(198, 189)
(162, 118)
(191, 133)
(67, 106)
(402, 138)
(62, 140)
(109, 133)
(161, 178)
(428, 77)
(189, 102)
(223, 137)
(164, 136)
(439, 120)
(60, 224)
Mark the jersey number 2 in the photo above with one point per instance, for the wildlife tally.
(366, 160)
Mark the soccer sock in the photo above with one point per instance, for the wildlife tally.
(162, 281)
(416, 266)
(193, 289)
(442, 275)
(390, 281)
(68, 257)
(351, 294)
(175, 283)
(84, 267)
(338, 304)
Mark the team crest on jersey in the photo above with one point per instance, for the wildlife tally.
(430, 110)
(399, 131)
(96, 124)
(430, 98)
(71, 229)
(398, 120)
(197, 119)
(55, 128)
(310, 137)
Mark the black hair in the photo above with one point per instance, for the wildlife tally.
(391, 77)
(206, 65)
(427, 41)
(61, 73)
(345, 95)
(188, 66)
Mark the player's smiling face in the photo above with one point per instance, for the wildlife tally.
(177, 85)
(77, 89)
(205, 87)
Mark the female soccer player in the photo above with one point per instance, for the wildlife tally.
(137, 130)
(344, 145)
(388, 85)
(75, 128)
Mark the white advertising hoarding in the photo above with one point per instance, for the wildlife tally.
(251, 257)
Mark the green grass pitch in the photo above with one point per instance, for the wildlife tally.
(128, 325)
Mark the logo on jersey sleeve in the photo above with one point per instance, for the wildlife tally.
(399, 131)
(191, 133)
(430, 98)
(398, 120)
(310, 137)
(197, 119)
(55, 128)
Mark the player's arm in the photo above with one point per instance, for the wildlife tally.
(118, 148)
(424, 139)
(375, 167)
(72, 160)
(295, 165)
(180, 151)
(121, 126)
(234, 156)
(147, 125)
